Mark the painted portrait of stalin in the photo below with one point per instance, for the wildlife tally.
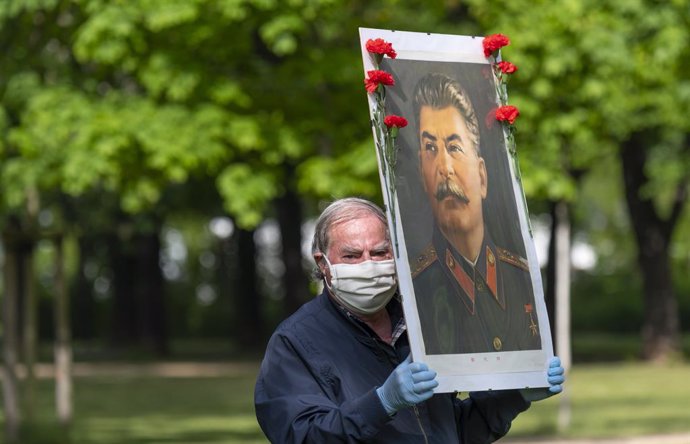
(473, 296)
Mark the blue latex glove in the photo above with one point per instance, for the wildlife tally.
(555, 376)
(409, 384)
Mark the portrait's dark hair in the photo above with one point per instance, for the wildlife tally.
(439, 91)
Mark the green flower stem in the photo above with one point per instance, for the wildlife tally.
(386, 150)
(509, 130)
(518, 175)
(385, 146)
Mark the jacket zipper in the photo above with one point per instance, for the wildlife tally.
(419, 421)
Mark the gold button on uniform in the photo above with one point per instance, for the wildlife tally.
(498, 345)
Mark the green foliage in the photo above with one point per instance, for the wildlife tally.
(257, 188)
(279, 33)
(137, 100)
(136, 97)
(3, 128)
(339, 177)
(607, 302)
(601, 217)
(591, 74)
(11, 8)
(593, 77)
(133, 98)
(122, 144)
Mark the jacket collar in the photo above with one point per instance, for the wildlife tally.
(395, 312)
(470, 279)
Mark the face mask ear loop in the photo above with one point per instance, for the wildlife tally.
(325, 279)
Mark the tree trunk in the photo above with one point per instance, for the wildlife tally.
(124, 327)
(83, 305)
(249, 321)
(10, 343)
(227, 277)
(561, 227)
(30, 330)
(151, 293)
(661, 325)
(295, 282)
(562, 284)
(63, 345)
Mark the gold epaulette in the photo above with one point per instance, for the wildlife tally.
(426, 258)
(512, 258)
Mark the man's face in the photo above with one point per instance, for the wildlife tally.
(354, 241)
(453, 174)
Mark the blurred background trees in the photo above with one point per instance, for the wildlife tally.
(179, 150)
(614, 77)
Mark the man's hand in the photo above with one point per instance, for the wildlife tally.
(555, 378)
(409, 384)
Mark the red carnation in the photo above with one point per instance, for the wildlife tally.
(395, 121)
(507, 67)
(377, 77)
(382, 47)
(493, 43)
(507, 113)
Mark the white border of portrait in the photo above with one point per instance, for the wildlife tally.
(470, 371)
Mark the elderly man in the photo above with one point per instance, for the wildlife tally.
(338, 370)
(473, 296)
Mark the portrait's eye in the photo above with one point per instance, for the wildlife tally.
(455, 148)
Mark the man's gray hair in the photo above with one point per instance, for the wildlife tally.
(337, 212)
(439, 91)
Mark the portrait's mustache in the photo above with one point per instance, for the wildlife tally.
(447, 188)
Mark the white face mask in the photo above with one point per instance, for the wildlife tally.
(363, 288)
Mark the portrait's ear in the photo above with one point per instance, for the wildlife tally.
(483, 177)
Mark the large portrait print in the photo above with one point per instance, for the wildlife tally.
(467, 268)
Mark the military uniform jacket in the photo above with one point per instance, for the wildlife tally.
(465, 308)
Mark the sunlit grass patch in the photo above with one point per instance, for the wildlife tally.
(629, 399)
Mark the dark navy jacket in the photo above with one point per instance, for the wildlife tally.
(317, 385)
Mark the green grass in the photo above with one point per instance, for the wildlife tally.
(152, 410)
(616, 399)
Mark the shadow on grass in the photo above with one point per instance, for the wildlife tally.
(47, 434)
(116, 410)
(44, 434)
